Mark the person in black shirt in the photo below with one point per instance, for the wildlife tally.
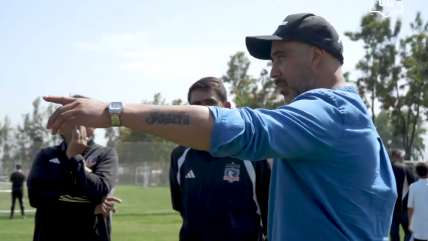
(17, 179)
(66, 185)
(403, 177)
(219, 199)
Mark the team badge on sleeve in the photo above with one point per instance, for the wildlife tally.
(91, 161)
(231, 173)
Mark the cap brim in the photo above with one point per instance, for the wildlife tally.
(260, 46)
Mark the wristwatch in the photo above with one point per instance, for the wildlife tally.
(115, 109)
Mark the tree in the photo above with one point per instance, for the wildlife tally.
(51, 140)
(248, 91)
(393, 75)
(7, 146)
(31, 135)
(137, 147)
(112, 136)
(408, 97)
(385, 128)
(378, 64)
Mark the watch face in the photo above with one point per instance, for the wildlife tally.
(115, 107)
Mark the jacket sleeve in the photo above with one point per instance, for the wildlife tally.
(297, 131)
(97, 184)
(174, 186)
(263, 172)
(409, 174)
(40, 190)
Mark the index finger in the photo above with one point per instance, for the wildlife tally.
(63, 100)
(57, 113)
(114, 199)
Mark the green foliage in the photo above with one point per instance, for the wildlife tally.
(20, 144)
(5, 142)
(248, 91)
(137, 147)
(385, 128)
(394, 73)
(378, 64)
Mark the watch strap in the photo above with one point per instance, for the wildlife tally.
(115, 120)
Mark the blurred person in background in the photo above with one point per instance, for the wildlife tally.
(404, 178)
(17, 179)
(219, 198)
(69, 186)
(418, 204)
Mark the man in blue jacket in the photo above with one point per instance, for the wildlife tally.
(331, 176)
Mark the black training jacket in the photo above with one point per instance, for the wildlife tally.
(403, 178)
(219, 199)
(65, 193)
(17, 179)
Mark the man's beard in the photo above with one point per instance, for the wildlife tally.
(289, 95)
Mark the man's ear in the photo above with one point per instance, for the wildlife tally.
(227, 105)
(317, 56)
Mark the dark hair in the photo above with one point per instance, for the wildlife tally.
(422, 169)
(397, 153)
(208, 84)
(18, 166)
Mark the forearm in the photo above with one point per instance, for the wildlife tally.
(189, 125)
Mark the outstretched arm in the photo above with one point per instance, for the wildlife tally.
(186, 125)
(295, 131)
(300, 129)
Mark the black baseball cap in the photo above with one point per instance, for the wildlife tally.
(303, 27)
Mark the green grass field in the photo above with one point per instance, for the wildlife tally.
(145, 214)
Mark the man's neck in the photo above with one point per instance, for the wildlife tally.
(332, 80)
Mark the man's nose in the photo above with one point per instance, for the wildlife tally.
(274, 72)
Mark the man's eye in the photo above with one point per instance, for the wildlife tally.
(278, 58)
